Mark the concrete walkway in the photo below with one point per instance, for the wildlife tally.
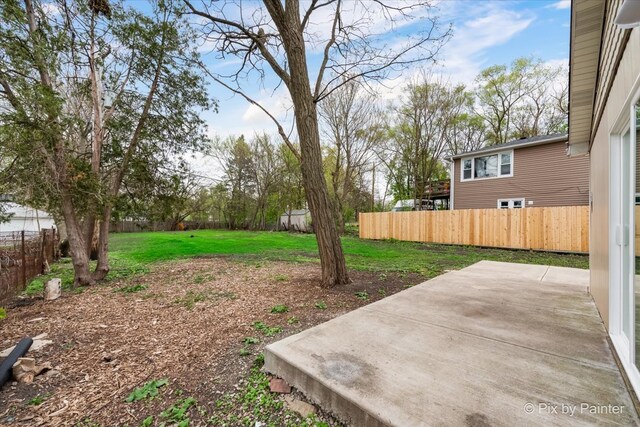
(492, 344)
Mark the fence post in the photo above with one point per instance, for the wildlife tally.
(43, 249)
(53, 244)
(24, 263)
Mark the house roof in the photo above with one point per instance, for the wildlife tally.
(517, 143)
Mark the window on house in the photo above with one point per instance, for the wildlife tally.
(486, 167)
(489, 166)
(510, 203)
(505, 164)
(466, 169)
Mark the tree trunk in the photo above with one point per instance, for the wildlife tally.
(332, 261)
(102, 269)
(77, 248)
(61, 227)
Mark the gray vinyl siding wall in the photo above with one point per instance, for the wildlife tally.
(542, 174)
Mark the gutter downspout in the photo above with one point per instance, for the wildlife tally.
(452, 180)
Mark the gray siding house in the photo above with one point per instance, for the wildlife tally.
(531, 172)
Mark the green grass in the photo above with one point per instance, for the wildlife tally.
(121, 266)
(367, 255)
(130, 254)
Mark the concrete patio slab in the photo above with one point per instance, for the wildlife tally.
(492, 344)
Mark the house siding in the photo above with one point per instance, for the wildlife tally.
(543, 174)
(612, 48)
(625, 84)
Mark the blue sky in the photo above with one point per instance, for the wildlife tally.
(485, 32)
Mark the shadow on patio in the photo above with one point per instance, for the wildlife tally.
(492, 344)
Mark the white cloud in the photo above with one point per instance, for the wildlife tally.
(51, 9)
(466, 53)
(562, 4)
(278, 104)
(369, 16)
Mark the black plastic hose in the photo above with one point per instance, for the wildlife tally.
(7, 364)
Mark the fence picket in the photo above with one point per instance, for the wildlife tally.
(564, 228)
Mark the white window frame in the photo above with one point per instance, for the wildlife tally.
(625, 346)
(511, 203)
(473, 166)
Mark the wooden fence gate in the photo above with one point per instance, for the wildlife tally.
(563, 229)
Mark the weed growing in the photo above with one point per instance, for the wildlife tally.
(268, 331)
(191, 298)
(147, 391)
(363, 295)
(256, 400)
(279, 309)
(132, 288)
(321, 305)
(39, 399)
(177, 414)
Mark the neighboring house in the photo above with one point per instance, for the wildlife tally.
(296, 220)
(531, 172)
(604, 122)
(25, 218)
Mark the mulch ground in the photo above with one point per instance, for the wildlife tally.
(185, 321)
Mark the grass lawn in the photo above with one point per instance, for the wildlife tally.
(176, 334)
(428, 260)
(131, 253)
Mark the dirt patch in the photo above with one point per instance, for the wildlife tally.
(184, 321)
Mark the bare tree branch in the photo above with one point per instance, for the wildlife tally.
(327, 51)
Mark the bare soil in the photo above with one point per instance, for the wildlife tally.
(185, 321)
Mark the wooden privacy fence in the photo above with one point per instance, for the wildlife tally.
(564, 228)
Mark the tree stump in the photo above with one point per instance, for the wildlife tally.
(52, 289)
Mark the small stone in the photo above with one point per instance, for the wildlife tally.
(296, 405)
(278, 385)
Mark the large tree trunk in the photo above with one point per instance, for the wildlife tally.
(77, 247)
(334, 270)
